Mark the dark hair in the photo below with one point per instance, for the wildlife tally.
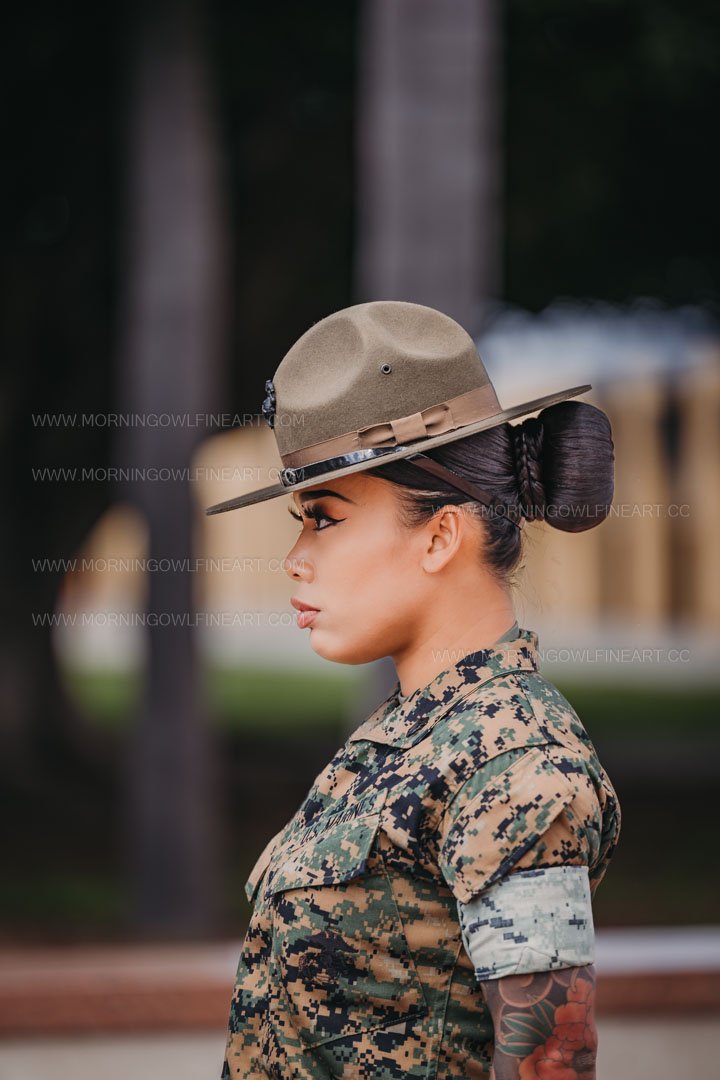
(557, 467)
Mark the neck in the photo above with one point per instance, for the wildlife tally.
(444, 636)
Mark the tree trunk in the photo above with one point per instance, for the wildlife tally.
(174, 335)
(429, 169)
(429, 155)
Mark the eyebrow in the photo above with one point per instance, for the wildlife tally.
(318, 493)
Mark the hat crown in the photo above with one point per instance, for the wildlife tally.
(378, 382)
(368, 365)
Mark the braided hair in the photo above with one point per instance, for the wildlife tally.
(557, 467)
(527, 443)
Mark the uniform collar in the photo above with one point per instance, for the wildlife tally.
(403, 721)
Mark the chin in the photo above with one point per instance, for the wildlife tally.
(342, 652)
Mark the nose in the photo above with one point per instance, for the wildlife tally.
(297, 567)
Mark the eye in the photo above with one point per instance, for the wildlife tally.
(315, 514)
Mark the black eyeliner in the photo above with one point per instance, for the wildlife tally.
(313, 513)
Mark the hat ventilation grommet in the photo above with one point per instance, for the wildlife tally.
(386, 369)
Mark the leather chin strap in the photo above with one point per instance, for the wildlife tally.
(460, 483)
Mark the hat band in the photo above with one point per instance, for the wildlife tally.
(481, 403)
(290, 477)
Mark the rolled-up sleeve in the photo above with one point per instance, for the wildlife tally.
(531, 920)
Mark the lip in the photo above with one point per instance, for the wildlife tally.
(301, 605)
(306, 613)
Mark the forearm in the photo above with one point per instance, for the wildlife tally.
(544, 1024)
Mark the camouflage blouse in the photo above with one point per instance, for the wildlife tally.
(363, 954)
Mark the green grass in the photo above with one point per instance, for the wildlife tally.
(88, 903)
(108, 698)
(258, 699)
(669, 712)
(62, 897)
(253, 698)
(240, 699)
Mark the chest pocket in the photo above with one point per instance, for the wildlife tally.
(339, 949)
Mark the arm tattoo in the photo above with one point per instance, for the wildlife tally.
(544, 1024)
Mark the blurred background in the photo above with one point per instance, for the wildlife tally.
(187, 187)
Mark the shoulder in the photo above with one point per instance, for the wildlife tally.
(487, 728)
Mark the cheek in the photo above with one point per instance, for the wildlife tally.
(370, 595)
(379, 575)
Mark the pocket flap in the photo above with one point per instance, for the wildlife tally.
(337, 854)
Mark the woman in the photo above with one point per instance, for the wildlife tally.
(427, 911)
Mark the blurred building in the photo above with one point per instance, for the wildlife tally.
(646, 579)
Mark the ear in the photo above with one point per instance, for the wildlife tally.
(444, 535)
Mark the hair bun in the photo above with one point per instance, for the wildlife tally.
(528, 448)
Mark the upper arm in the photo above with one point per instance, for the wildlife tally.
(531, 806)
(518, 845)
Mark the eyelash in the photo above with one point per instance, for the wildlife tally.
(316, 515)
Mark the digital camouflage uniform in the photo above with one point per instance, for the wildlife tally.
(355, 963)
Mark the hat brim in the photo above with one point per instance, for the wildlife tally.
(276, 490)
